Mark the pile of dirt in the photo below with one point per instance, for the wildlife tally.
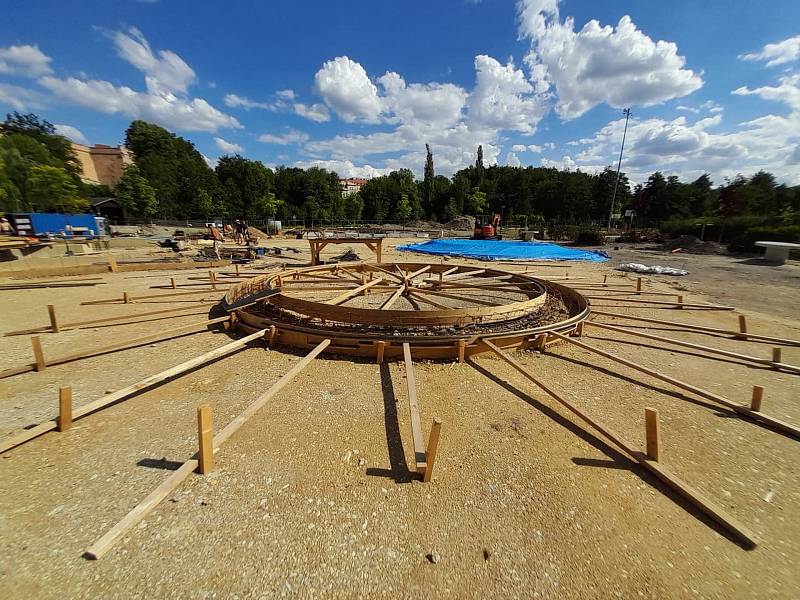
(256, 232)
(424, 225)
(693, 245)
(462, 223)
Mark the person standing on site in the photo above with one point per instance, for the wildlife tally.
(216, 237)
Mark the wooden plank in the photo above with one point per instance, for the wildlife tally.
(147, 296)
(416, 427)
(161, 335)
(671, 480)
(721, 352)
(104, 544)
(433, 447)
(205, 439)
(108, 399)
(422, 298)
(652, 434)
(354, 292)
(701, 328)
(109, 320)
(393, 298)
(757, 417)
(64, 421)
(662, 303)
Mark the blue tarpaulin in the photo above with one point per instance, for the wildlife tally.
(503, 249)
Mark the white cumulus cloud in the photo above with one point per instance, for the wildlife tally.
(166, 109)
(164, 71)
(347, 90)
(20, 98)
(512, 160)
(24, 60)
(292, 136)
(316, 112)
(71, 133)
(228, 147)
(779, 53)
(619, 66)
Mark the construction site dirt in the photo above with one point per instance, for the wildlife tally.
(317, 493)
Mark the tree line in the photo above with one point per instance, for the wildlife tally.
(171, 179)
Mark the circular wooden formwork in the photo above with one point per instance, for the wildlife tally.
(440, 310)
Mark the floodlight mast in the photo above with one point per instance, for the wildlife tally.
(627, 113)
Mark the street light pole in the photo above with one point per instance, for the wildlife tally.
(627, 112)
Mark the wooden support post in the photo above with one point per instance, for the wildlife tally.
(742, 327)
(462, 347)
(38, 355)
(126, 298)
(652, 433)
(236, 265)
(380, 349)
(430, 452)
(578, 330)
(51, 309)
(112, 264)
(776, 357)
(605, 279)
(205, 436)
(64, 409)
(172, 282)
(680, 302)
(273, 333)
(541, 342)
(638, 284)
(758, 396)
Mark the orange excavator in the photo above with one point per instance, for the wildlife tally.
(487, 227)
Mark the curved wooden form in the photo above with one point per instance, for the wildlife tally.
(369, 332)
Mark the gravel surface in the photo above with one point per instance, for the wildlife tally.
(313, 497)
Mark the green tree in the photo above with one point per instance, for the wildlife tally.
(476, 202)
(53, 189)
(428, 182)
(353, 207)
(135, 193)
(403, 210)
(205, 204)
(266, 207)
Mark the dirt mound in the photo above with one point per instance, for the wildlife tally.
(462, 223)
(693, 245)
(256, 232)
(424, 225)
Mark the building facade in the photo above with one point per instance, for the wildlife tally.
(102, 164)
(352, 185)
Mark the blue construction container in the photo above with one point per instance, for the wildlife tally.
(58, 225)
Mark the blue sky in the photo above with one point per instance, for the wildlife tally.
(361, 87)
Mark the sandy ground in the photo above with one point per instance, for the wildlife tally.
(313, 497)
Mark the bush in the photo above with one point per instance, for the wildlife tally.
(588, 236)
(746, 241)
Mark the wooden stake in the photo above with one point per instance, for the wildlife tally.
(669, 478)
(462, 347)
(680, 302)
(51, 309)
(652, 433)
(638, 284)
(758, 396)
(742, 327)
(140, 511)
(38, 355)
(578, 330)
(776, 357)
(205, 436)
(237, 268)
(112, 264)
(379, 351)
(126, 298)
(273, 332)
(605, 279)
(433, 446)
(64, 408)
(172, 281)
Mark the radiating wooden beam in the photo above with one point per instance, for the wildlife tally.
(354, 292)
